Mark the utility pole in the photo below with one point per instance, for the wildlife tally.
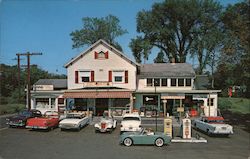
(28, 54)
(18, 76)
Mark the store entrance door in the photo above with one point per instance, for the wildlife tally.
(102, 104)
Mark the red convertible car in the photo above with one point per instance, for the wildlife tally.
(49, 121)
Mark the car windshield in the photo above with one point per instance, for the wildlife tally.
(215, 121)
(131, 118)
(25, 113)
(74, 116)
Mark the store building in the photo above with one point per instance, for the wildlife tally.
(47, 95)
(176, 85)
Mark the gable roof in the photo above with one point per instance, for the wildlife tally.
(103, 42)
(57, 83)
(166, 70)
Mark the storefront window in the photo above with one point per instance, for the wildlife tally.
(52, 102)
(42, 102)
(60, 100)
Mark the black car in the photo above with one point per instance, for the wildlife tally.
(20, 119)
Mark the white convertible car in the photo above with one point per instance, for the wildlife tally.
(106, 124)
(131, 122)
(74, 120)
(213, 126)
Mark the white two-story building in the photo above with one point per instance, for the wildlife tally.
(101, 78)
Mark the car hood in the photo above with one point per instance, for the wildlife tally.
(220, 125)
(17, 117)
(70, 121)
(131, 123)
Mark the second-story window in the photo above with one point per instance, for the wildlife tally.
(84, 76)
(156, 81)
(164, 82)
(149, 82)
(180, 82)
(188, 81)
(173, 81)
(118, 76)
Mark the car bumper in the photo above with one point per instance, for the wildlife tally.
(15, 124)
(68, 127)
(37, 127)
(130, 129)
(103, 130)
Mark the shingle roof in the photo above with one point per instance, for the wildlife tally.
(57, 83)
(166, 70)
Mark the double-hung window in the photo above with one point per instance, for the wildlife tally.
(84, 76)
(118, 76)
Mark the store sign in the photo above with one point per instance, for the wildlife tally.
(180, 109)
(150, 99)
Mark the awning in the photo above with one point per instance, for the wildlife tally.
(98, 94)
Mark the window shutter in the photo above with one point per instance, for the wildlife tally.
(96, 55)
(76, 76)
(106, 55)
(110, 76)
(126, 76)
(92, 76)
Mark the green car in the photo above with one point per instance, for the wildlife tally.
(144, 137)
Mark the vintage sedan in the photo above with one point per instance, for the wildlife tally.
(144, 137)
(213, 126)
(21, 118)
(106, 124)
(48, 121)
(74, 120)
(130, 122)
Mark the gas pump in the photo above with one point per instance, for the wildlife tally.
(168, 126)
(186, 128)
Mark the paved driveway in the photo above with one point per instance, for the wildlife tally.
(25, 144)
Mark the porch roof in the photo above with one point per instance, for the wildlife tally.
(97, 94)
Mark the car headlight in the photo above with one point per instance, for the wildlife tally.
(20, 121)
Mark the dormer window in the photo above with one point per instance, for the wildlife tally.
(101, 55)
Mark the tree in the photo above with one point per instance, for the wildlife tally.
(234, 63)
(140, 48)
(173, 25)
(106, 28)
(160, 58)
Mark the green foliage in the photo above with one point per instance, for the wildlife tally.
(106, 28)
(160, 58)
(174, 25)
(11, 108)
(140, 48)
(9, 82)
(239, 105)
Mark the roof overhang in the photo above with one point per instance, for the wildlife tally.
(97, 94)
(180, 91)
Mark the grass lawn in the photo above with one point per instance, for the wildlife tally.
(236, 105)
(11, 108)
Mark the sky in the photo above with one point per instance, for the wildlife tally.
(45, 26)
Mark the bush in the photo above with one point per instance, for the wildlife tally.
(224, 104)
(11, 108)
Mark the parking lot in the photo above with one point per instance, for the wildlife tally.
(26, 144)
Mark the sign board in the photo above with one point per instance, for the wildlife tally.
(180, 109)
(172, 97)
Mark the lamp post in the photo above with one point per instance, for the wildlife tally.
(156, 104)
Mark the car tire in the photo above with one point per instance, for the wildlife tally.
(159, 142)
(208, 132)
(127, 141)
